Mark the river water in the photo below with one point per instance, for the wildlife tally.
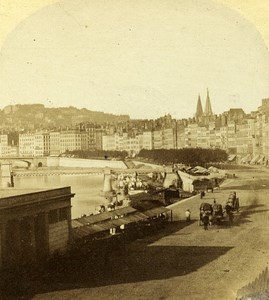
(87, 188)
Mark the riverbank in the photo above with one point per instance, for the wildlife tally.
(50, 171)
(183, 261)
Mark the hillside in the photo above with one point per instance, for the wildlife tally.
(37, 116)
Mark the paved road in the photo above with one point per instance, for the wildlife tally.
(186, 262)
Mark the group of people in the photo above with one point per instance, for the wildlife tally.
(129, 182)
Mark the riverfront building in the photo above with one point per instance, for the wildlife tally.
(3, 145)
(34, 144)
(7, 150)
(235, 131)
(33, 225)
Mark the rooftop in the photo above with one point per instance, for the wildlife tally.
(10, 192)
(10, 197)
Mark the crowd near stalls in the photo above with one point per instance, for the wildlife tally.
(170, 182)
(146, 196)
(163, 186)
(130, 183)
(120, 187)
(144, 214)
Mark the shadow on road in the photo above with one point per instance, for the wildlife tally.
(246, 211)
(241, 217)
(138, 261)
(249, 185)
(148, 263)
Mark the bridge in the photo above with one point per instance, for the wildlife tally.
(117, 167)
(26, 162)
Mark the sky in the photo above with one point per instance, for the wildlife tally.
(141, 58)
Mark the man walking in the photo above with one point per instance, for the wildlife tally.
(188, 215)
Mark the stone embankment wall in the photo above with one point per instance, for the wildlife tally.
(84, 163)
(154, 166)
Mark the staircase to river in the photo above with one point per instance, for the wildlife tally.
(130, 164)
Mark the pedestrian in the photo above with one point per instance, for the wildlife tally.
(188, 215)
(205, 221)
(214, 206)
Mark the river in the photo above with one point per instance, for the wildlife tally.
(87, 189)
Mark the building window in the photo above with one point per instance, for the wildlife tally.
(63, 213)
(53, 216)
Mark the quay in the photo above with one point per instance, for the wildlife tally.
(44, 230)
(181, 260)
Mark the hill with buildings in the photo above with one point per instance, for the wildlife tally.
(34, 130)
(37, 116)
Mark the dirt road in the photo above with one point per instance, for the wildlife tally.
(184, 261)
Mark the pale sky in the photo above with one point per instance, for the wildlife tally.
(144, 58)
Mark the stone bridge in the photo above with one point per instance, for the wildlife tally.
(25, 162)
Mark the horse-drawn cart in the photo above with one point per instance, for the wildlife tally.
(233, 201)
(214, 213)
(217, 213)
(205, 210)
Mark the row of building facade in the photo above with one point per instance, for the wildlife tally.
(233, 131)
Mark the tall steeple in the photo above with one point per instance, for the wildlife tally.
(199, 109)
(208, 109)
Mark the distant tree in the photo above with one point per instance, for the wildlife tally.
(189, 156)
(98, 154)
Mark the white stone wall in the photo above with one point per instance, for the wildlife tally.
(153, 166)
(53, 161)
(58, 236)
(90, 163)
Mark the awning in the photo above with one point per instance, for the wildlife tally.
(246, 158)
(108, 215)
(136, 217)
(155, 211)
(120, 221)
(95, 218)
(99, 228)
(85, 231)
(123, 211)
(231, 157)
(76, 224)
(81, 230)
(255, 159)
(105, 225)
(261, 160)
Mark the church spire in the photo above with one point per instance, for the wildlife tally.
(208, 109)
(199, 109)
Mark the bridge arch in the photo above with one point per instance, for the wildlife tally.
(18, 162)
